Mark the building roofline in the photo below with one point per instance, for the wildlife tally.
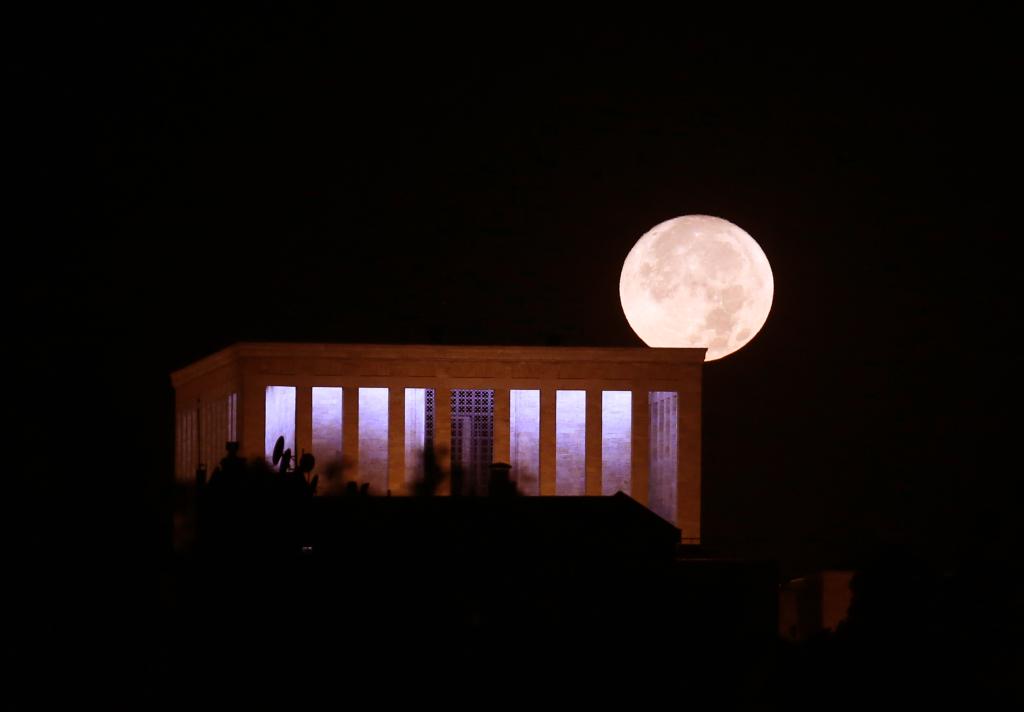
(251, 349)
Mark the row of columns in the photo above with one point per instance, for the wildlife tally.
(688, 450)
(501, 435)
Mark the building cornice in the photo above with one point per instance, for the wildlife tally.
(599, 354)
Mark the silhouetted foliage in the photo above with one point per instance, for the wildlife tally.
(474, 590)
(432, 476)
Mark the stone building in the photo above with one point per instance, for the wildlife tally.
(571, 421)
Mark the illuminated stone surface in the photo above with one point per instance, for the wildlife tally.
(415, 432)
(327, 424)
(616, 441)
(570, 442)
(664, 458)
(649, 441)
(524, 426)
(373, 438)
(280, 419)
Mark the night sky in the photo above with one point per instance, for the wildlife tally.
(185, 180)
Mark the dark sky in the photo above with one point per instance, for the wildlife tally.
(185, 180)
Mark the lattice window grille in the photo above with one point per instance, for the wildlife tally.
(472, 436)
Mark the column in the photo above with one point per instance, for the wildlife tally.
(547, 440)
(396, 440)
(688, 468)
(502, 452)
(640, 453)
(350, 431)
(252, 414)
(593, 443)
(443, 435)
(203, 440)
(303, 420)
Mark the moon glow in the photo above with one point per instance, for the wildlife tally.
(696, 281)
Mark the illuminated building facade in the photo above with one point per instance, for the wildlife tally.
(571, 421)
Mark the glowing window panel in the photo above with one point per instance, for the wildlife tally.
(570, 442)
(524, 440)
(664, 439)
(280, 410)
(326, 425)
(373, 438)
(415, 432)
(616, 441)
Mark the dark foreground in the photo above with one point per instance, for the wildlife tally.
(490, 602)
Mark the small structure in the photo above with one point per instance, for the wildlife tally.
(814, 603)
(569, 421)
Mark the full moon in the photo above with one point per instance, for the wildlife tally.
(696, 281)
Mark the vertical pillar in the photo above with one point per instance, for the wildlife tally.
(350, 431)
(547, 440)
(502, 451)
(202, 438)
(688, 466)
(303, 420)
(178, 469)
(443, 435)
(593, 443)
(641, 453)
(252, 412)
(396, 440)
